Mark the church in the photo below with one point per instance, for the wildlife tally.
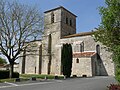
(90, 58)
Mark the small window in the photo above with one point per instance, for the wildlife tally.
(52, 18)
(77, 60)
(66, 20)
(98, 49)
(70, 22)
(82, 47)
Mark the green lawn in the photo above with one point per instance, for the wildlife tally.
(12, 80)
(7, 80)
(24, 77)
(39, 76)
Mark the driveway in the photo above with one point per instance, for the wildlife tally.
(94, 83)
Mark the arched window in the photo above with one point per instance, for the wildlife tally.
(66, 20)
(98, 49)
(82, 47)
(52, 18)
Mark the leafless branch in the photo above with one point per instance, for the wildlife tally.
(18, 24)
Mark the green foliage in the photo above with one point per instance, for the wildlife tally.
(28, 76)
(116, 56)
(117, 73)
(7, 80)
(66, 59)
(109, 31)
(2, 61)
(5, 74)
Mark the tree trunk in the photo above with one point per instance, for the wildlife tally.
(11, 70)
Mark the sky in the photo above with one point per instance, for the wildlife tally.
(87, 11)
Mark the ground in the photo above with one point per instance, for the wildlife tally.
(94, 83)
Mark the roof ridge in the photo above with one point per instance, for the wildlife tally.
(79, 34)
(59, 8)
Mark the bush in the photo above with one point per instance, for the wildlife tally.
(5, 74)
(27, 76)
(114, 87)
(15, 75)
(117, 74)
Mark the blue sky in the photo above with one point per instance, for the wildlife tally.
(86, 10)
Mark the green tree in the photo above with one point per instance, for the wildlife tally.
(66, 59)
(109, 31)
(18, 24)
(2, 61)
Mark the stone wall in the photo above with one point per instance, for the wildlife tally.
(53, 29)
(29, 63)
(56, 29)
(84, 67)
(107, 65)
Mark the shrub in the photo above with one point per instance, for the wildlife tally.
(28, 76)
(5, 74)
(117, 74)
(15, 75)
(114, 87)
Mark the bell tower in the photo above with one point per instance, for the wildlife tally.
(58, 22)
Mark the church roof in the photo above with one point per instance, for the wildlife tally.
(79, 34)
(83, 54)
(60, 7)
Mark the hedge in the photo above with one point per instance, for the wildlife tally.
(5, 74)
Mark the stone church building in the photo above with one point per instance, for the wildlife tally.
(89, 57)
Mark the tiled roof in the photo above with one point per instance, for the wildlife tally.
(79, 34)
(83, 54)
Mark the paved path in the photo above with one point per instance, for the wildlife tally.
(95, 83)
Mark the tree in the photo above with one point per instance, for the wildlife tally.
(66, 59)
(2, 61)
(109, 31)
(18, 24)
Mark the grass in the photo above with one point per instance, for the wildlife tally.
(24, 77)
(7, 80)
(39, 76)
(11, 80)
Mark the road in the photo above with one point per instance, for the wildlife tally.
(95, 83)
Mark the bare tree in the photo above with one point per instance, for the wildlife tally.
(18, 24)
